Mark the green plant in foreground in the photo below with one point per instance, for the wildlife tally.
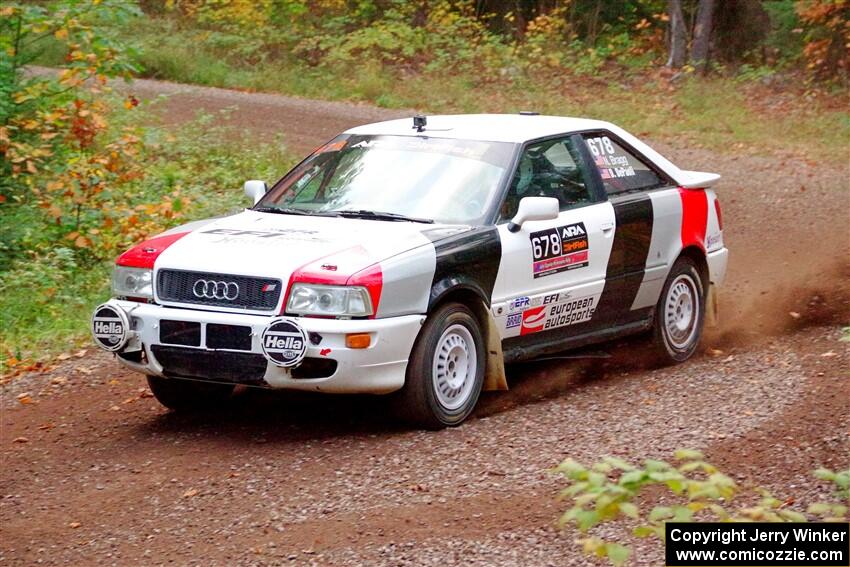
(609, 491)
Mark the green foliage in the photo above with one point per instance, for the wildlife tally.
(47, 293)
(612, 490)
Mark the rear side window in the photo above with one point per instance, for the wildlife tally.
(620, 169)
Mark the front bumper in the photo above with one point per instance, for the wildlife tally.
(378, 369)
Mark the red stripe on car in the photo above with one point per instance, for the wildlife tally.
(694, 217)
(145, 254)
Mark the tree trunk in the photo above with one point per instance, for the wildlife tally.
(678, 35)
(702, 35)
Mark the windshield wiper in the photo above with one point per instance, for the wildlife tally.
(290, 211)
(379, 215)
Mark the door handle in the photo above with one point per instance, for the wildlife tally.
(607, 226)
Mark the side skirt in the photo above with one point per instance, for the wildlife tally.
(516, 350)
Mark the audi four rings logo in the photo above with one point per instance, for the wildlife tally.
(210, 289)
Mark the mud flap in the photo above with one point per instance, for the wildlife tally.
(712, 310)
(494, 374)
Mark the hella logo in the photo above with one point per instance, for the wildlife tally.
(110, 328)
(283, 343)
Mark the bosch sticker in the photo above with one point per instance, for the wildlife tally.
(559, 249)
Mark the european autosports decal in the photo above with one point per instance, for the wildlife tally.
(559, 249)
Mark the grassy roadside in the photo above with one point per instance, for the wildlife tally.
(728, 114)
(46, 298)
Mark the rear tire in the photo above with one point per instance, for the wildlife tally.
(189, 395)
(680, 313)
(445, 372)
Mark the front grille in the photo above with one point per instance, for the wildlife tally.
(179, 286)
(217, 366)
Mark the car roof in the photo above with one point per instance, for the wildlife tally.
(514, 128)
(521, 128)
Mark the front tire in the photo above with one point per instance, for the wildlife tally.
(680, 313)
(446, 370)
(189, 395)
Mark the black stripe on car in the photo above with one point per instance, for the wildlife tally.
(627, 262)
(467, 260)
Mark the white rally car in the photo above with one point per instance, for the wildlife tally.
(418, 257)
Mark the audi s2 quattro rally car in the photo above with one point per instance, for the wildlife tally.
(416, 258)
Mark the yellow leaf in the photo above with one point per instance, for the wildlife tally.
(61, 34)
(82, 242)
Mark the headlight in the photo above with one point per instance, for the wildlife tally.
(132, 282)
(311, 299)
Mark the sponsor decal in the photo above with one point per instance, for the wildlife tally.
(713, 240)
(269, 237)
(284, 342)
(533, 320)
(611, 164)
(110, 327)
(514, 320)
(519, 304)
(559, 249)
(554, 315)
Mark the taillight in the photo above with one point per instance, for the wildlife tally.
(719, 214)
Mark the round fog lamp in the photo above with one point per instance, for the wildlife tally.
(110, 327)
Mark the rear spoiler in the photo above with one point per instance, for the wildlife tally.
(696, 179)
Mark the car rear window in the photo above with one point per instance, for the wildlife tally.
(620, 170)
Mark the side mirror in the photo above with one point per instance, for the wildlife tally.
(255, 189)
(534, 209)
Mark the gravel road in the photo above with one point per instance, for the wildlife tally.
(95, 472)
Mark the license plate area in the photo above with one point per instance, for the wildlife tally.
(230, 337)
(183, 333)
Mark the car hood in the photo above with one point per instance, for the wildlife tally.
(276, 245)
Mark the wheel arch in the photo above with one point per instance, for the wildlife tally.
(472, 297)
(698, 257)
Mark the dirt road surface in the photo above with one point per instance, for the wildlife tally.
(95, 472)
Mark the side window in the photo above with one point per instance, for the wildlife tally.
(553, 168)
(620, 170)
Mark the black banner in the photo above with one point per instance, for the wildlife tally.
(763, 544)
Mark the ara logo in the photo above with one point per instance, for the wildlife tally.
(109, 327)
(284, 343)
(572, 230)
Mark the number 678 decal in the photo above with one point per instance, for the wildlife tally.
(559, 249)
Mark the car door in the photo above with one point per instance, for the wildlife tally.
(552, 273)
(647, 209)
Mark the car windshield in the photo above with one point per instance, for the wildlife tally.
(395, 178)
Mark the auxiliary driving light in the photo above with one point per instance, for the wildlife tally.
(110, 327)
(284, 342)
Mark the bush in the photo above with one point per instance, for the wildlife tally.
(609, 490)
